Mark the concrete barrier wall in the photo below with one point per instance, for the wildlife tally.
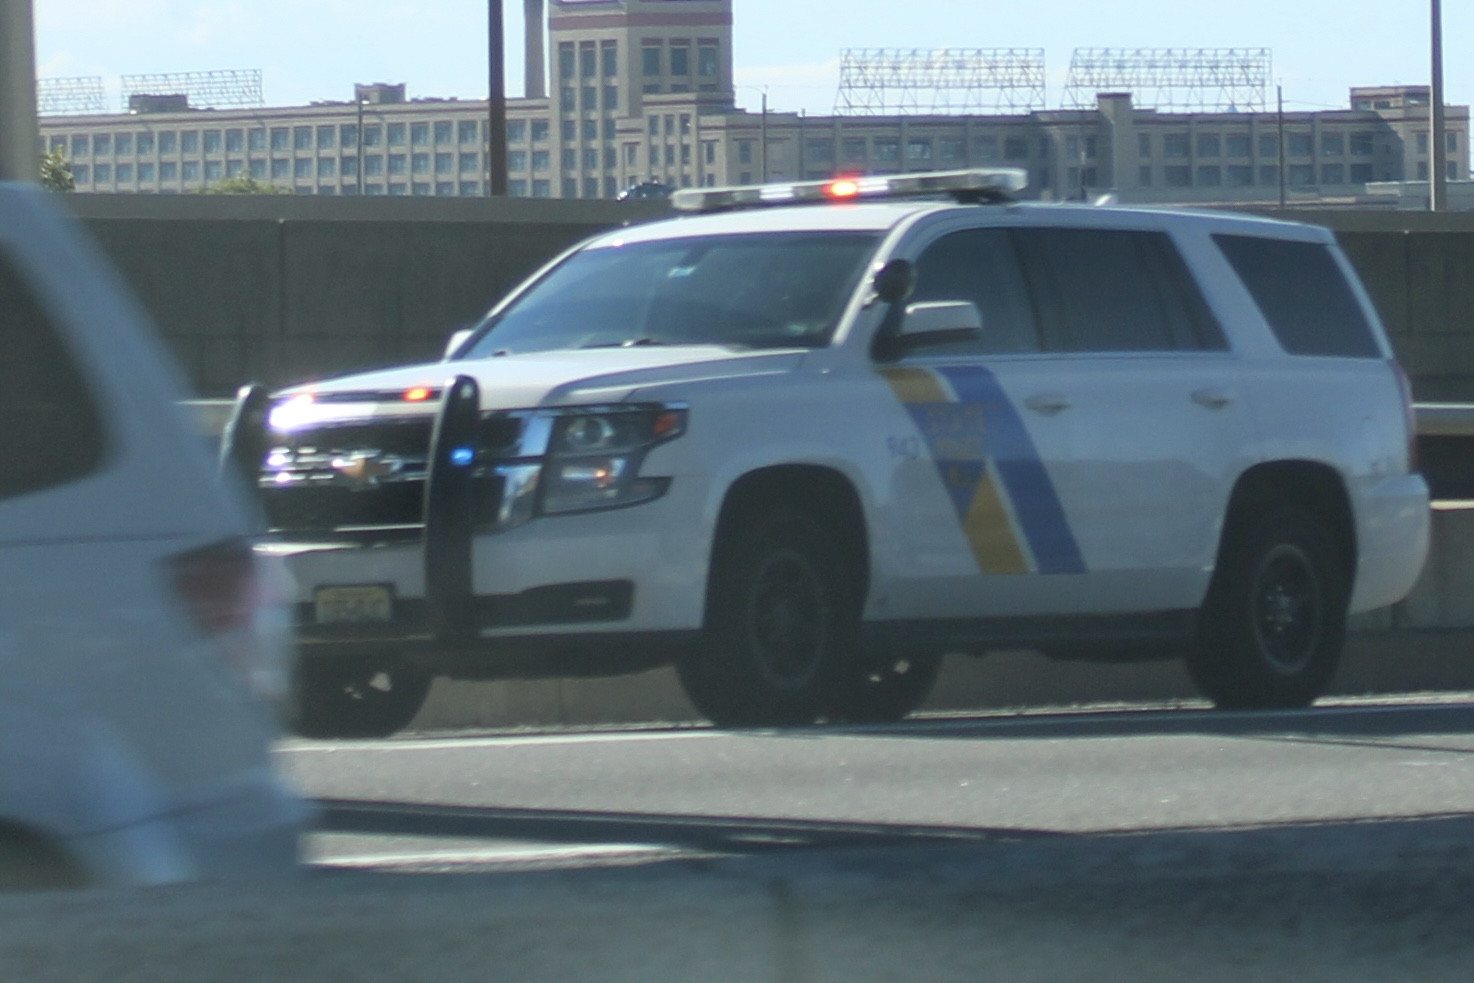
(280, 288)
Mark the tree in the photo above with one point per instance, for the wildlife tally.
(244, 185)
(56, 173)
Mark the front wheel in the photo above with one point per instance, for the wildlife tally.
(355, 697)
(1274, 622)
(886, 691)
(782, 619)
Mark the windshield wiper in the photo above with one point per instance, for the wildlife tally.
(626, 343)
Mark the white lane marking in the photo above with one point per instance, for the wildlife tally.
(1339, 706)
(490, 855)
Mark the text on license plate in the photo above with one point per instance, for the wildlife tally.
(352, 605)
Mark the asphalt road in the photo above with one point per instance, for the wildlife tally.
(1125, 845)
(585, 797)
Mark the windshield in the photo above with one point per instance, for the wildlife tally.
(771, 290)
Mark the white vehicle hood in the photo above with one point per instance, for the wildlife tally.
(593, 375)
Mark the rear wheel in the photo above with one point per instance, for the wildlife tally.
(353, 697)
(782, 619)
(1274, 623)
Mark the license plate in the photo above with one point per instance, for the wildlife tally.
(353, 605)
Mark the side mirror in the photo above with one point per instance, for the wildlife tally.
(932, 322)
(457, 339)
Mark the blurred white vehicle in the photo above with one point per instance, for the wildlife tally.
(141, 641)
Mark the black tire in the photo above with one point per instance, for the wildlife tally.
(1274, 622)
(355, 697)
(782, 618)
(885, 692)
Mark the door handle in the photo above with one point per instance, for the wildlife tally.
(1213, 399)
(1047, 403)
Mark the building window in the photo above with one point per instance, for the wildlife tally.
(445, 163)
(348, 167)
(168, 142)
(102, 144)
(444, 188)
(467, 130)
(1301, 175)
(611, 97)
(680, 59)
(422, 188)
(568, 130)
(1177, 175)
(1269, 174)
(1239, 175)
(1422, 143)
(80, 147)
(123, 144)
(327, 167)
(235, 141)
(301, 138)
(398, 164)
(256, 140)
(373, 165)
(1300, 145)
(570, 187)
(81, 173)
(419, 134)
(1237, 145)
(1362, 144)
(588, 60)
(706, 59)
(610, 53)
(1209, 176)
(1209, 145)
(471, 162)
(985, 148)
(566, 60)
(373, 135)
(1015, 148)
(591, 129)
(570, 159)
(1144, 145)
(542, 160)
(1332, 145)
(654, 126)
(650, 59)
(168, 171)
(396, 134)
(302, 167)
(212, 141)
(539, 130)
(234, 168)
(918, 150)
(950, 149)
(591, 158)
(190, 172)
(280, 169)
(744, 151)
(1144, 175)
(1269, 146)
(1174, 146)
(189, 142)
(887, 151)
(444, 130)
(280, 138)
(1361, 173)
(348, 136)
(591, 187)
(145, 172)
(257, 169)
(517, 188)
(610, 130)
(1332, 174)
(542, 189)
(816, 151)
(420, 164)
(125, 173)
(854, 151)
(1450, 142)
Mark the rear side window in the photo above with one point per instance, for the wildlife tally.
(1303, 295)
(1116, 290)
(50, 429)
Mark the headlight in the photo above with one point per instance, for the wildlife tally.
(594, 457)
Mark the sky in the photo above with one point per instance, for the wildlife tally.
(311, 50)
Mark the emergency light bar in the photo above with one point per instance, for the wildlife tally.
(977, 184)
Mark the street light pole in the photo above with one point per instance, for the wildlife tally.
(359, 100)
(496, 108)
(18, 129)
(1438, 159)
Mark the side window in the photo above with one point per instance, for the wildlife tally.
(979, 265)
(53, 432)
(1116, 290)
(1301, 292)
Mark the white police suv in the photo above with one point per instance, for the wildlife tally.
(806, 439)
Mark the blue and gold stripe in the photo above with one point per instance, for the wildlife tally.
(1004, 499)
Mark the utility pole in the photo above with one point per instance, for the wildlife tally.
(1279, 92)
(18, 129)
(496, 102)
(1438, 156)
